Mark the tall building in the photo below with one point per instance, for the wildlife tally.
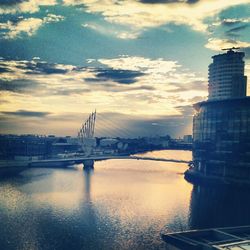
(226, 76)
(221, 125)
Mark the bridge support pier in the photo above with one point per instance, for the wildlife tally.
(88, 164)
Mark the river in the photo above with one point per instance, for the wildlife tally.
(121, 204)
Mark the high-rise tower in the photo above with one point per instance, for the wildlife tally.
(221, 125)
(226, 76)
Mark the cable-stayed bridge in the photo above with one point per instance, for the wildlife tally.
(88, 144)
(87, 140)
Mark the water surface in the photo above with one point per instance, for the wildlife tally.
(122, 204)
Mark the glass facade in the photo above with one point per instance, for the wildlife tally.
(221, 131)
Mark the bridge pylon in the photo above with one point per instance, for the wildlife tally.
(86, 134)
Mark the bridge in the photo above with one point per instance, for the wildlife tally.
(10, 166)
(88, 162)
(87, 141)
(88, 144)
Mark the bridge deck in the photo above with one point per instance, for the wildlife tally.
(75, 160)
(59, 162)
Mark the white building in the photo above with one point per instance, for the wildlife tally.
(226, 76)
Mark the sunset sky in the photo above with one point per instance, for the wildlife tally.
(140, 63)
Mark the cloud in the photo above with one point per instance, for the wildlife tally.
(52, 18)
(115, 124)
(218, 44)
(26, 113)
(116, 75)
(145, 14)
(27, 26)
(148, 89)
(162, 74)
(194, 85)
(34, 66)
(169, 1)
(19, 85)
(233, 21)
(43, 67)
(23, 6)
(197, 99)
(110, 124)
(142, 64)
(2, 70)
(233, 32)
(117, 32)
(10, 2)
(247, 53)
(143, 73)
(127, 35)
(187, 110)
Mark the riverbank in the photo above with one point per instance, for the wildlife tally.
(199, 178)
(11, 167)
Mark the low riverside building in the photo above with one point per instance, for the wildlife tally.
(221, 134)
(227, 238)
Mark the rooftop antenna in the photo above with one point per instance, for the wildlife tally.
(232, 48)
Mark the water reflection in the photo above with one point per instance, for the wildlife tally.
(219, 207)
(121, 204)
(87, 173)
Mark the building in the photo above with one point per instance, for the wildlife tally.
(23, 147)
(227, 238)
(226, 76)
(221, 129)
(188, 138)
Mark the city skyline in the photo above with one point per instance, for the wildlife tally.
(127, 59)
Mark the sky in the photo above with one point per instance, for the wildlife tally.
(141, 64)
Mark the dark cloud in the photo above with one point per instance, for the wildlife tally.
(233, 31)
(38, 89)
(18, 85)
(232, 34)
(26, 113)
(116, 75)
(33, 67)
(239, 28)
(3, 70)
(168, 1)
(11, 2)
(79, 68)
(42, 67)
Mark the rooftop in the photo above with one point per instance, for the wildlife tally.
(227, 238)
(223, 102)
